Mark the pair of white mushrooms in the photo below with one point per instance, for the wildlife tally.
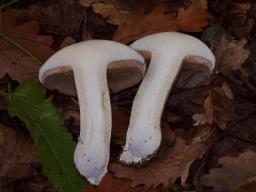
(89, 61)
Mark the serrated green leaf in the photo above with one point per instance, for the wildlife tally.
(54, 143)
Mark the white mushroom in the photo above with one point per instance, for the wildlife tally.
(168, 50)
(89, 61)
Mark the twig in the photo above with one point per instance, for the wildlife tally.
(8, 4)
(3, 94)
(16, 44)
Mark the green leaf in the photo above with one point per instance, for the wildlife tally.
(54, 143)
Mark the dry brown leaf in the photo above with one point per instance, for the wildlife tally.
(86, 3)
(240, 8)
(203, 134)
(120, 120)
(233, 173)
(67, 41)
(200, 3)
(17, 155)
(231, 54)
(16, 63)
(110, 13)
(192, 19)
(200, 119)
(13, 61)
(26, 35)
(139, 25)
(170, 164)
(249, 186)
(110, 184)
(219, 106)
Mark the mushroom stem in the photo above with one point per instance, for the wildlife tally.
(168, 51)
(95, 130)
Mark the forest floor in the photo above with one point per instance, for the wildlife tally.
(208, 123)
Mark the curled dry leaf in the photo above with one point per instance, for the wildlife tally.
(219, 106)
(17, 155)
(137, 25)
(234, 173)
(170, 164)
(231, 54)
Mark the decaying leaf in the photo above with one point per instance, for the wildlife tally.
(138, 25)
(112, 14)
(26, 35)
(13, 60)
(203, 134)
(86, 3)
(120, 121)
(200, 3)
(231, 54)
(234, 172)
(110, 184)
(16, 63)
(200, 119)
(219, 106)
(191, 19)
(17, 156)
(170, 164)
(249, 186)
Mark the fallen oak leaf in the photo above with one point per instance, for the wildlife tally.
(170, 164)
(249, 186)
(110, 184)
(26, 35)
(200, 3)
(192, 19)
(219, 106)
(17, 156)
(51, 20)
(112, 14)
(231, 54)
(17, 64)
(138, 25)
(234, 172)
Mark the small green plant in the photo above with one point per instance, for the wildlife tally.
(52, 140)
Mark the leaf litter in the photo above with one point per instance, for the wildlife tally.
(221, 110)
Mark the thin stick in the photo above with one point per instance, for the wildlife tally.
(8, 4)
(16, 44)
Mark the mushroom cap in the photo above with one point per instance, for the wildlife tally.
(122, 73)
(187, 46)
